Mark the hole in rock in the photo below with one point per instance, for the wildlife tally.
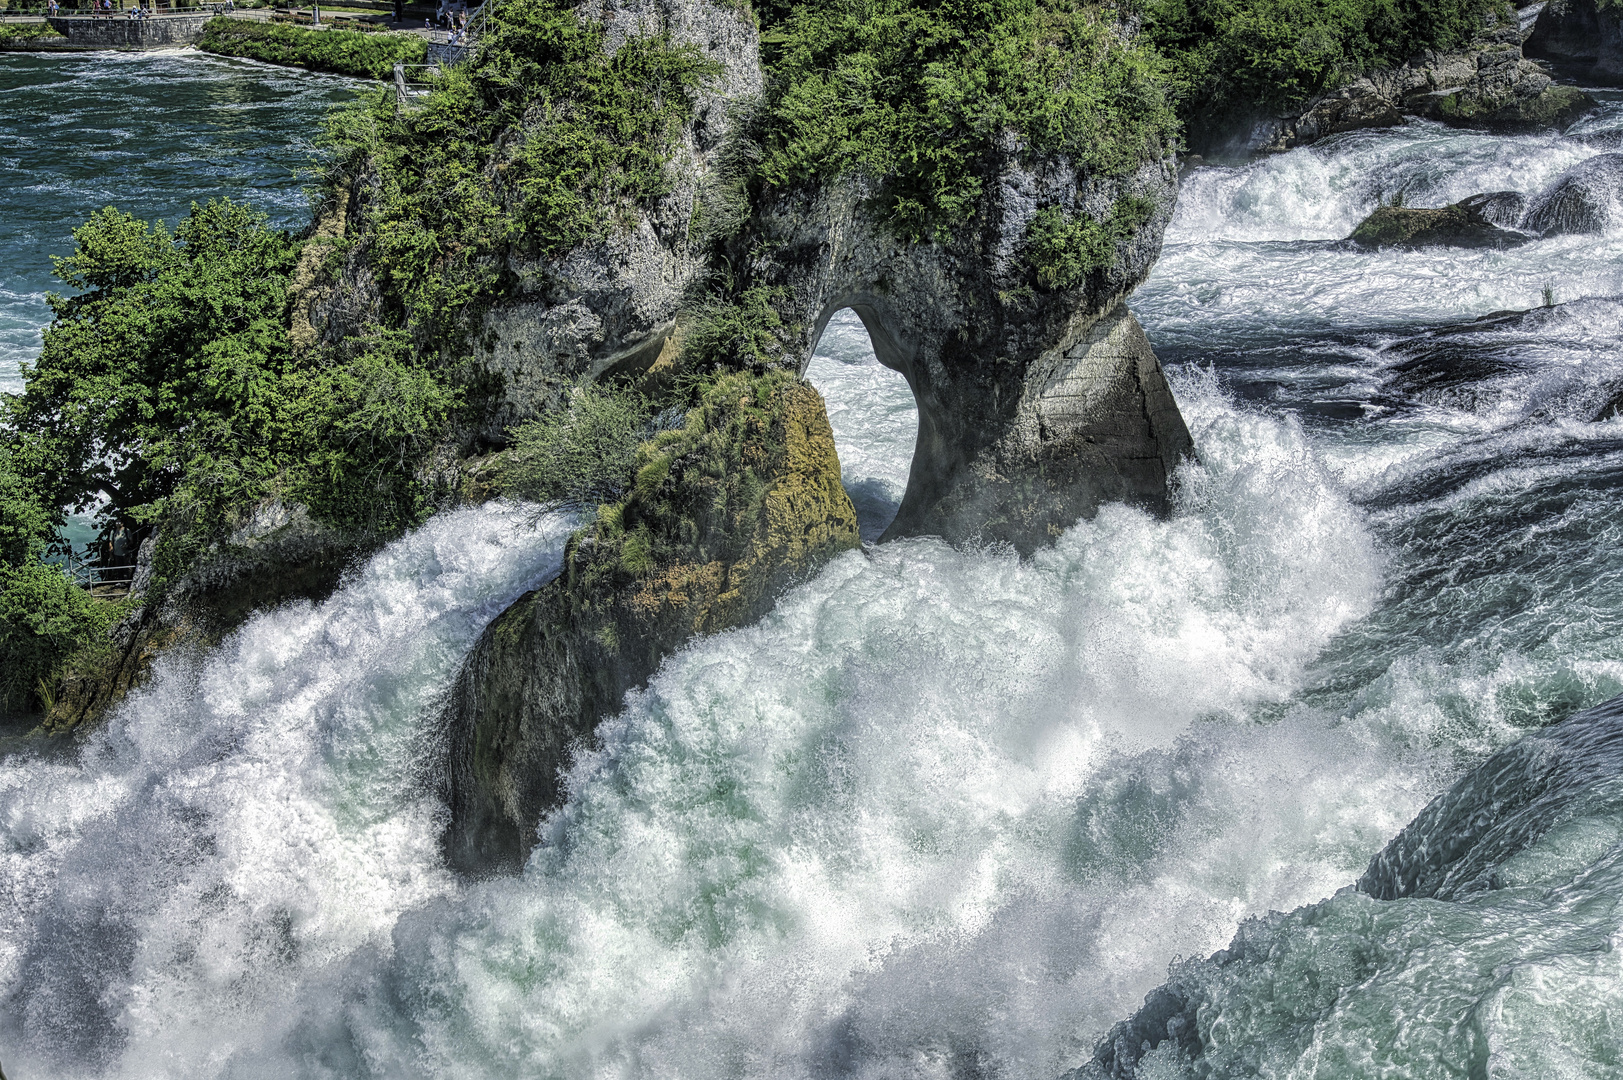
(874, 416)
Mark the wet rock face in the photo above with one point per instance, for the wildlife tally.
(1584, 199)
(1460, 841)
(1502, 208)
(562, 658)
(1035, 406)
(1523, 826)
(1581, 39)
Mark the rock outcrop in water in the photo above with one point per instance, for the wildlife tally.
(1584, 199)
(1413, 227)
(1581, 38)
(1037, 402)
(1492, 86)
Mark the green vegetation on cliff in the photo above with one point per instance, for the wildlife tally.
(1229, 58)
(536, 146)
(168, 395)
(343, 52)
(44, 617)
(918, 96)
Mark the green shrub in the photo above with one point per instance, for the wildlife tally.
(168, 387)
(581, 456)
(542, 142)
(1063, 248)
(917, 96)
(45, 620)
(24, 33)
(343, 52)
(1229, 57)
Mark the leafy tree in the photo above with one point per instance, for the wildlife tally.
(917, 94)
(166, 368)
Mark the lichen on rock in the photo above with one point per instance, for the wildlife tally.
(726, 511)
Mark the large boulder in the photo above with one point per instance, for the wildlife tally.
(1587, 198)
(1412, 228)
(1582, 39)
(728, 510)
(1039, 400)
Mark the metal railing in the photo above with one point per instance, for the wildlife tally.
(449, 47)
(99, 579)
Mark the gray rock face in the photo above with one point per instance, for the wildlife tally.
(1492, 86)
(1585, 199)
(1581, 39)
(1034, 407)
(614, 304)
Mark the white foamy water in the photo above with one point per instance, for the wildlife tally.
(874, 417)
(944, 813)
(1256, 245)
(247, 821)
(940, 806)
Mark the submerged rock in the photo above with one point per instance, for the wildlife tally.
(1413, 227)
(1584, 199)
(1502, 208)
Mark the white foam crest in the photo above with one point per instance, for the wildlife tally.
(1322, 192)
(846, 839)
(248, 818)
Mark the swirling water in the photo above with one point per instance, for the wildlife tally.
(944, 813)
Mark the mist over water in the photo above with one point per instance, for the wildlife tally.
(944, 813)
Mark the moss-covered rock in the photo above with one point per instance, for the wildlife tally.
(726, 511)
(1417, 227)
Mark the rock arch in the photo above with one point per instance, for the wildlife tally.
(1035, 407)
(873, 413)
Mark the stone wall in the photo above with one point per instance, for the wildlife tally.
(119, 32)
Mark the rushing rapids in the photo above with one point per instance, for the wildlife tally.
(945, 812)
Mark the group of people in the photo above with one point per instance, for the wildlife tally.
(100, 7)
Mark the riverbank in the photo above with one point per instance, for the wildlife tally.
(357, 53)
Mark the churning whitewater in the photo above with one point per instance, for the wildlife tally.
(944, 813)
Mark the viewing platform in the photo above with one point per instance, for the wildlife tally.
(119, 31)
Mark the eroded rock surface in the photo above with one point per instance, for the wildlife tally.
(1035, 406)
